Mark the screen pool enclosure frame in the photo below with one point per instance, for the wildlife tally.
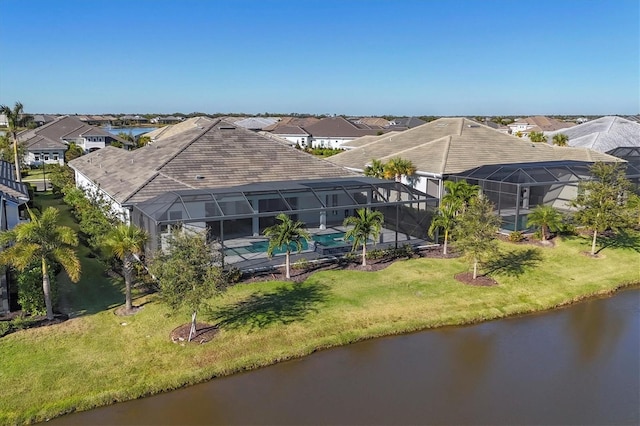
(316, 202)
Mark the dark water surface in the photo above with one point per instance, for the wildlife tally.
(579, 365)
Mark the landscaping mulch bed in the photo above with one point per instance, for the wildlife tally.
(480, 281)
(204, 333)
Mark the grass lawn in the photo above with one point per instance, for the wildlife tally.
(97, 358)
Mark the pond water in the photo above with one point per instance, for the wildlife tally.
(578, 365)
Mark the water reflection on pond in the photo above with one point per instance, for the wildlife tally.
(579, 365)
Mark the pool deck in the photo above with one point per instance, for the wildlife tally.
(315, 252)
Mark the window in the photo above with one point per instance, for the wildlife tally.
(55, 156)
(37, 157)
(46, 157)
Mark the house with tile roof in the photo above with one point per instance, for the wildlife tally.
(14, 196)
(226, 179)
(170, 119)
(537, 123)
(47, 143)
(296, 135)
(612, 135)
(503, 165)
(332, 132)
(214, 155)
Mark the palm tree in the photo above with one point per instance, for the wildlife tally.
(126, 242)
(15, 119)
(283, 234)
(446, 219)
(560, 139)
(537, 137)
(547, 218)
(398, 167)
(42, 239)
(375, 169)
(366, 224)
(459, 194)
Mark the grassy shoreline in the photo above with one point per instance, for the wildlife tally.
(98, 358)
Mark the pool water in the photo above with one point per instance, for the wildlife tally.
(327, 240)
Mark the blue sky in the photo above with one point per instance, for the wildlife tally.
(366, 57)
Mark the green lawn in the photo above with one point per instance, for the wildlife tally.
(97, 358)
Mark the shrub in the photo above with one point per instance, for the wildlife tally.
(30, 295)
(516, 237)
(5, 328)
(301, 264)
(233, 275)
(22, 322)
(376, 254)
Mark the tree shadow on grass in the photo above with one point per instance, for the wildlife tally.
(288, 303)
(622, 239)
(514, 263)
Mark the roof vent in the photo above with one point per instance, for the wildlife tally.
(227, 128)
(199, 177)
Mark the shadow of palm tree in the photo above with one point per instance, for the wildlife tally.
(288, 303)
(514, 263)
(622, 239)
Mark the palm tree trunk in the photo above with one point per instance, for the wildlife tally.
(364, 254)
(593, 243)
(15, 157)
(475, 269)
(192, 331)
(46, 289)
(286, 265)
(544, 232)
(446, 239)
(126, 269)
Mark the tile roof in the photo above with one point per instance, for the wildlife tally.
(64, 128)
(603, 134)
(293, 121)
(289, 130)
(454, 145)
(336, 127)
(545, 124)
(174, 129)
(218, 155)
(256, 123)
(41, 142)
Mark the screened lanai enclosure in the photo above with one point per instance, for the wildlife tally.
(516, 189)
(236, 217)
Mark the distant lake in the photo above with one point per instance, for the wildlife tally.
(135, 131)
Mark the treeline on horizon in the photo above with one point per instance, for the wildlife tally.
(500, 119)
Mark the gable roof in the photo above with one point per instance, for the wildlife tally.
(454, 145)
(603, 134)
(336, 127)
(219, 155)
